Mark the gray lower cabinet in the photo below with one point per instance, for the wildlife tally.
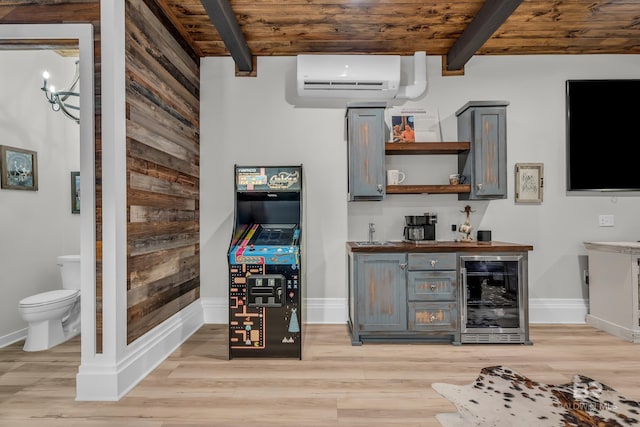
(484, 124)
(403, 297)
(432, 295)
(365, 140)
(378, 294)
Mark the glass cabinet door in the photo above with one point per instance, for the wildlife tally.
(492, 295)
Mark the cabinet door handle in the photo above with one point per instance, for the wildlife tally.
(380, 189)
(432, 318)
(403, 265)
(479, 186)
(434, 262)
(433, 287)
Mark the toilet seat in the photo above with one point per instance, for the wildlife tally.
(50, 297)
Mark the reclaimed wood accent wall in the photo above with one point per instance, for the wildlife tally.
(67, 12)
(163, 162)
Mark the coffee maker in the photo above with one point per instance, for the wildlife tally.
(420, 228)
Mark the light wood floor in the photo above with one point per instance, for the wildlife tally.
(336, 384)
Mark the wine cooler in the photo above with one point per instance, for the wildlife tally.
(494, 300)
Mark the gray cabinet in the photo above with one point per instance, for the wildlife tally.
(366, 139)
(484, 124)
(403, 297)
(378, 294)
(432, 295)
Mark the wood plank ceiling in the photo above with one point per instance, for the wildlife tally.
(456, 29)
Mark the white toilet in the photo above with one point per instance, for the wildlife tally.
(54, 316)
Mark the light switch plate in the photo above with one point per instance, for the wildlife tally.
(606, 221)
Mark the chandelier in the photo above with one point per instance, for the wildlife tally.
(67, 101)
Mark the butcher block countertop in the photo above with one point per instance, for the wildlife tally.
(438, 246)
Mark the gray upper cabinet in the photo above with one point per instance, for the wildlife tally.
(484, 124)
(366, 138)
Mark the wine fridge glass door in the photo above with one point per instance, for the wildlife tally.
(493, 298)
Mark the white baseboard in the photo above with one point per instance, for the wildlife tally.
(335, 310)
(97, 381)
(558, 310)
(13, 337)
(326, 310)
(615, 330)
(215, 310)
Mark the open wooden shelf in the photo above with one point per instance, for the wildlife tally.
(428, 189)
(409, 148)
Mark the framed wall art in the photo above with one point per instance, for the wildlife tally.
(18, 168)
(529, 182)
(75, 192)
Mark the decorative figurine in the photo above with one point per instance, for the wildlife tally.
(465, 228)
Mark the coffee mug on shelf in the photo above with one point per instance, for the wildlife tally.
(454, 179)
(395, 177)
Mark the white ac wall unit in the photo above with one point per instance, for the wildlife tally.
(348, 76)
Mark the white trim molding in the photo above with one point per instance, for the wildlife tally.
(215, 310)
(326, 310)
(558, 310)
(615, 330)
(13, 337)
(98, 381)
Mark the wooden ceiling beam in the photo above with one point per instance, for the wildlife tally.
(223, 18)
(490, 17)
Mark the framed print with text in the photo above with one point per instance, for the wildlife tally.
(529, 182)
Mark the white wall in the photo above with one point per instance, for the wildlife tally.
(35, 226)
(260, 121)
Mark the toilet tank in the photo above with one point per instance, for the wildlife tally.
(70, 271)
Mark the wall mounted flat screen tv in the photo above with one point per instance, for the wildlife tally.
(603, 136)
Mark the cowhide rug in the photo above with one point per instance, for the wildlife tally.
(502, 397)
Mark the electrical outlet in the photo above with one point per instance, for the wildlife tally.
(606, 221)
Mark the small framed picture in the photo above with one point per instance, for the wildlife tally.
(75, 192)
(18, 168)
(529, 182)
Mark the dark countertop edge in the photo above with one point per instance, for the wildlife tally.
(442, 247)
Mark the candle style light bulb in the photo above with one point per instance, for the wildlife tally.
(52, 89)
(45, 76)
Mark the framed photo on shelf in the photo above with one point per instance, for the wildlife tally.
(75, 192)
(19, 168)
(529, 182)
(413, 124)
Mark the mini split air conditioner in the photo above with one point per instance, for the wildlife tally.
(358, 76)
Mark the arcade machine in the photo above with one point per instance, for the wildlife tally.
(265, 280)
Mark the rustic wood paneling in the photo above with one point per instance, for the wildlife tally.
(60, 12)
(148, 268)
(155, 310)
(401, 27)
(163, 160)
